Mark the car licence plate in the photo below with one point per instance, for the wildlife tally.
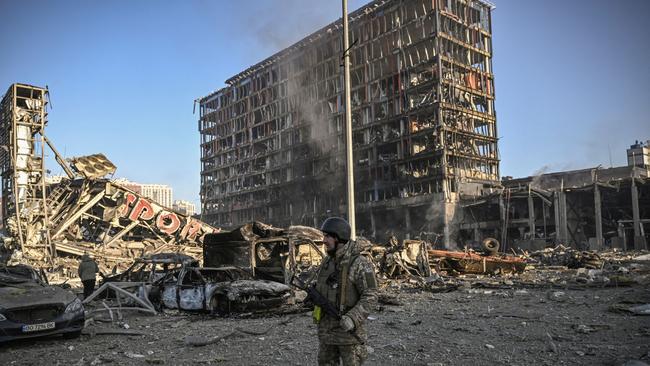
(38, 327)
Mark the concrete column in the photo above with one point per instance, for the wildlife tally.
(560, 217)
(290, 213)
(531, 216)
(598, 217)
(639, 239)
(315, 214)
(407, 219)
(556, 214)
(563, 219)
(373, 224)
(502, 215)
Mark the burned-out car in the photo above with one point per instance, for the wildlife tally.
(30, 307)
(269, 253)
(219, 290)
(152, 267)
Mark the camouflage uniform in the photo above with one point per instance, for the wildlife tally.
(360, 289)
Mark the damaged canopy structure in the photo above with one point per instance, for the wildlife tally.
(84, 212)
(585, 209)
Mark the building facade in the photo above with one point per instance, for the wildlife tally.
(424, 124)
(184, 207)
(639, 154)
(161, 193)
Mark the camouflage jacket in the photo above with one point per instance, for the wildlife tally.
(359, 294)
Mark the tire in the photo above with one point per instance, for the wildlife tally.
(219, 305)
(490, 246)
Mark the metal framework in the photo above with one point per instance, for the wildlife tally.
(82, 213)
(424, 125)
(22, 137)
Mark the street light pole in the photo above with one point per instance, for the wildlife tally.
(348, 122)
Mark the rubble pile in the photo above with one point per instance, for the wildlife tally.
(565, 256)
(111, 223)
(51, 222)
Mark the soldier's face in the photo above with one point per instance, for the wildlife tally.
(330, 242)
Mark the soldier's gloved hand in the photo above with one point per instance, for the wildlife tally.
(346, 323)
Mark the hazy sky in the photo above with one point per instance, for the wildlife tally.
(572, 80)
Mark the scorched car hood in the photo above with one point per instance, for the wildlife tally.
(31, 294)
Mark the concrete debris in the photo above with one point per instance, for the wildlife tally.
(569, 257)
(408, 258)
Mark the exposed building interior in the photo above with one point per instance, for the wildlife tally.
(592, 209)
(424, 124)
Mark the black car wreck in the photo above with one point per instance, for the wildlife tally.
(29, 307)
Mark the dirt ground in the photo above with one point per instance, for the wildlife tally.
(468, 326)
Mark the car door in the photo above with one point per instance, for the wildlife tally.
(191, 290)
(170, 286)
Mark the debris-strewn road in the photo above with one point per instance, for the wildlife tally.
(464, 327)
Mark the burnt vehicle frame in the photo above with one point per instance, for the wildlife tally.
(269, 253)
(218, 290)
(30, 307)
(148, 269)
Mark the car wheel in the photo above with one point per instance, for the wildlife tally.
(216, 306)
(490, 246)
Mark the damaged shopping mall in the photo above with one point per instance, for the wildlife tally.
(52, 224)
(423, 118)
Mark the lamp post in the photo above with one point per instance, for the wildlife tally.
(348, 123)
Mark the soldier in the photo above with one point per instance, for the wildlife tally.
(347, 280)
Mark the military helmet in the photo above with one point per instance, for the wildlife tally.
(337, 226)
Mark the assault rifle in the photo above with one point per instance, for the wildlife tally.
(316, 297)
(321, 301)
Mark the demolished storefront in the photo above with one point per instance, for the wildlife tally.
(50, 224)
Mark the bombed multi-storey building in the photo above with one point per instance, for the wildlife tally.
(423, 119)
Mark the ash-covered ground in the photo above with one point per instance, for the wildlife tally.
(568, 323)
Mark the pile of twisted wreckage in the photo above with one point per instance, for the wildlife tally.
(251, 268)
(265, 255)
(50, 224)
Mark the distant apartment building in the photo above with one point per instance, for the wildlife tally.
(135, 187)
(639, 154)
(184, 207)
(160, 193)
(423, 119)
